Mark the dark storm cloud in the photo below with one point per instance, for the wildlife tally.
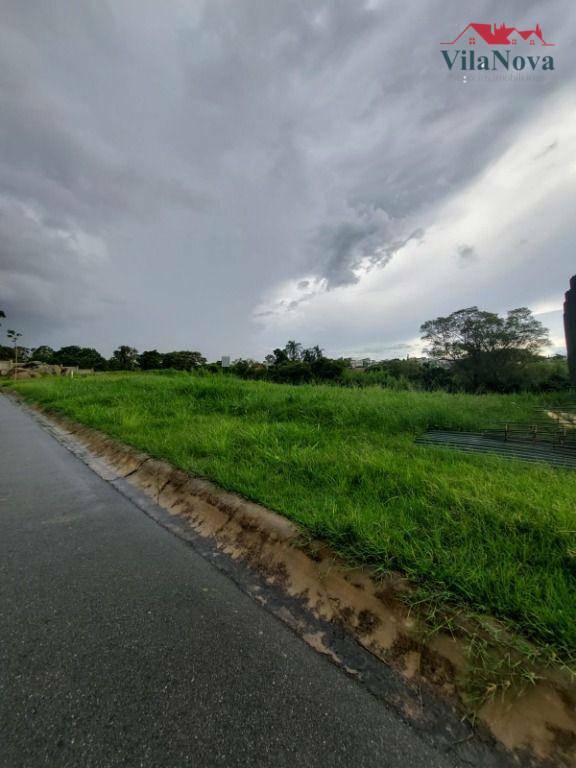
(344, 246)
(164, 165)
(363, 242)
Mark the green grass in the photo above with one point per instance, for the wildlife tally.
(494, 534)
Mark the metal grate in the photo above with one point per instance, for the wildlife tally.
(470, 442)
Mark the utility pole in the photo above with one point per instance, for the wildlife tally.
(14, 336)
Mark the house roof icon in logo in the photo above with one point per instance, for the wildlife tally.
(500, 35)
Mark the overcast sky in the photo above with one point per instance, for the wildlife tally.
(229, 174)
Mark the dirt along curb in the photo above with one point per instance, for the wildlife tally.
(525, 705)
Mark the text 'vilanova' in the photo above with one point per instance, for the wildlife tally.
(466, 60)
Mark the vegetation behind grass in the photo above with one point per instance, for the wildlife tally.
(496, 534)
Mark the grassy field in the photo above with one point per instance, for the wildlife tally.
(495, 534)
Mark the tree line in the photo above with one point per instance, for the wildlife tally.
(470, 350)
(125, 358)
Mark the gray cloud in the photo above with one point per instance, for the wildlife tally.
(48, 269)
(342, 247)
(164, 166)
(466, 254)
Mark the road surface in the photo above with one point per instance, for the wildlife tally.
(122, 646)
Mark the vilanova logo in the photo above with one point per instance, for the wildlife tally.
(502, 58)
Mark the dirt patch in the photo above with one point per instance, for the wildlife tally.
(540, 720)
(372, 609)
(564, 418)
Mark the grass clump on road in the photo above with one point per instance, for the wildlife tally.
(495, 534)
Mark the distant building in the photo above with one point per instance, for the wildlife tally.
(433, 362)
(364, 362)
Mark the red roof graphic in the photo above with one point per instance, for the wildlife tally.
(494, 35)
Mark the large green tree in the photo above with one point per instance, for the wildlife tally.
(312, 354)
(293, 350)
(43, 354)
(183, 360)
(124, 358)
(486, 351)
(151, 360)
(83, 357)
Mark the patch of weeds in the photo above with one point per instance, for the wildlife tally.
(436, 611)
(495, 672)
(501, 663)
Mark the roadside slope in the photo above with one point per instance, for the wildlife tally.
(495, 535)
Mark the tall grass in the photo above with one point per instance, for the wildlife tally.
(495, 533)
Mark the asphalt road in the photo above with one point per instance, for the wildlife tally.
(121, 646)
